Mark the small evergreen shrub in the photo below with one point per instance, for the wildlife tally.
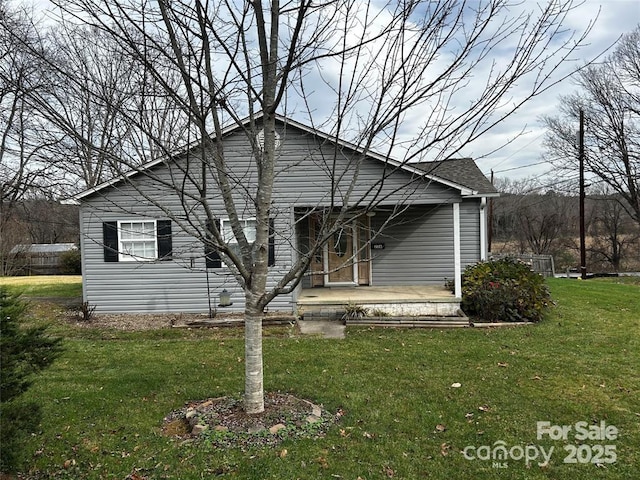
(71, 262)
(504, 290)
(23, 353)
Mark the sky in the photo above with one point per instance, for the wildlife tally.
(522, 157)
(615, 17)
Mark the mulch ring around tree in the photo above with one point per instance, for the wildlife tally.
(223, 422)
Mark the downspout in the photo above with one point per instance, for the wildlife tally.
(483, 229)
(457, 263)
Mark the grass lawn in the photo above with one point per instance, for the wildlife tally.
(64, 286)
(105, 398)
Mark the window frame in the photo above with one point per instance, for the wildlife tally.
(212, 256)
(127, 257)
(224, 222)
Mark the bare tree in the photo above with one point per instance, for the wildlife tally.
(610, 229)
(24, 171)
(536, 221)
(374, 68)
(609, 94)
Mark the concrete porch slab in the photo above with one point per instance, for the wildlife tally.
(406, 300)
(346, 295)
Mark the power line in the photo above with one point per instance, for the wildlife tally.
(519, 167)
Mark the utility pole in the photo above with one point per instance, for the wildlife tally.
(583, 249)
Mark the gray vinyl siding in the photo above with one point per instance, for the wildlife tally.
(419, 251)
(469, 232)
(179, 285)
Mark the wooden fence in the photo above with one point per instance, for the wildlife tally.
(542, 264)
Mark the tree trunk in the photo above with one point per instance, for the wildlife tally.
(253, 383)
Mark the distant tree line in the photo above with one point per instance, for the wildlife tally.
(35, 220)
(531, 217)
(526, 220)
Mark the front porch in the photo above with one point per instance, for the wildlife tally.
(396, 301)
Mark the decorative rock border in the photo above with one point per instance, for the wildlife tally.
(223, 422)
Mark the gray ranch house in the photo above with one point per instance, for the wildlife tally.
(428, 223)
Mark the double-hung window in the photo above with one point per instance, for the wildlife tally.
(248, 227)
(138, 240)
(213, 259)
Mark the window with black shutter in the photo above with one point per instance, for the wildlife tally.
(212, 257)
(137, 240)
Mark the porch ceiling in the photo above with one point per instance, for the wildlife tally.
(381, 294)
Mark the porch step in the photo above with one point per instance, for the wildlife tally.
(428, 322)
(325, 328)
(410, 322)
(414, 310)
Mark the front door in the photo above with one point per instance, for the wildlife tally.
(341, 268)
(364, 251)
(345, 258)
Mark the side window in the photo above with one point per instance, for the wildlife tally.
(137, 240)
(249, 228)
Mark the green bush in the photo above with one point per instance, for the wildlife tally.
(71, 262)
(504, 290)
(23, 353)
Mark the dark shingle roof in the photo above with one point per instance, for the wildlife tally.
(43, 248)
(462, 171)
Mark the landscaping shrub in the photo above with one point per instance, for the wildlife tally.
(23, 353)
(504, 290)
(71, 262)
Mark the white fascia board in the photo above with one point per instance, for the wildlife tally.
(483, 195)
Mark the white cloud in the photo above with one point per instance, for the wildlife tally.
(616, 18)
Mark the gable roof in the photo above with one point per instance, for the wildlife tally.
(461, 174)
(462, 171)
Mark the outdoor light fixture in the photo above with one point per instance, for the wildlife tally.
(225, 299)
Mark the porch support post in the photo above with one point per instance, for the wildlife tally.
(457, 264)
(483, 229)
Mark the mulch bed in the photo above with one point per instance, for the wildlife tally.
(224, 423)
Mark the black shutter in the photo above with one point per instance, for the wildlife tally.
(110, 241)
(211, 255)
(165, 246)
(272, 244)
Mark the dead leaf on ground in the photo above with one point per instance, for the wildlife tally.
(484, 408)
(135, 476)
(444, 449)
(440, 428)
